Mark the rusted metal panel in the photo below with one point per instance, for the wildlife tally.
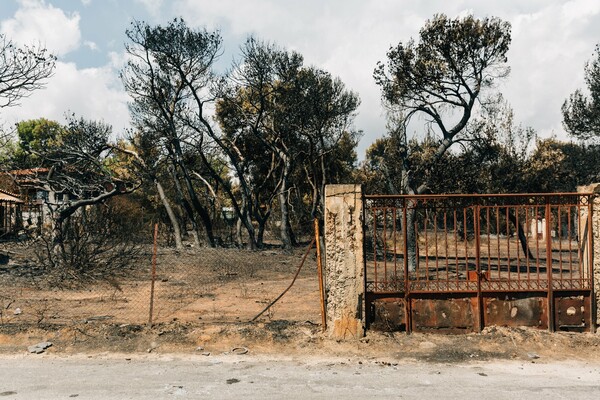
(516, 311)
(506, 255)
(572, 313)
(515, 242)
(446, 315)
(388, 315)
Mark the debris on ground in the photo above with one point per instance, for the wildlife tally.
(39, 348)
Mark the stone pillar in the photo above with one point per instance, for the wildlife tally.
(344, 272)
(595, 249)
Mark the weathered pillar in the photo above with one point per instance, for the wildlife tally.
(344, 272)
(595, 241)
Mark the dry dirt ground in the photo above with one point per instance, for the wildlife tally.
(204, 300)
(297, 339)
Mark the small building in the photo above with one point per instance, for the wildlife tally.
(11, 214)
(22, 201)
(26, 184)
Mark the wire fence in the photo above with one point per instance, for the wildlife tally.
(159, 284)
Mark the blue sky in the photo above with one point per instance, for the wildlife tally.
(100, 22)
(551, 41)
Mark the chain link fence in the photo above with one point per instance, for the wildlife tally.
(157, 284)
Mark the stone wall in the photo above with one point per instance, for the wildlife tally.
(344, 272)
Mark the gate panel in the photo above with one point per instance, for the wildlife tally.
(446, 314)
(515, 311)
(572, 312)
(526, 251)
(389, 314)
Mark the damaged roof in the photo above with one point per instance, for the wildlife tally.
(8, 197)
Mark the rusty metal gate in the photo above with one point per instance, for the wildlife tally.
(459, 263)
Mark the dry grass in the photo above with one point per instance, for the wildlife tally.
(194, 285)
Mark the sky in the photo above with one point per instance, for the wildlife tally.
(551, 42)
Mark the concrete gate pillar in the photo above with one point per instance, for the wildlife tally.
(595, 248)
(344, 272)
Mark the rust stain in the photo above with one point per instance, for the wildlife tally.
(514, 312)
(450, 315)
(389, 315)
(571, 313)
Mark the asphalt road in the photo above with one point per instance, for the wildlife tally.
(47, 376)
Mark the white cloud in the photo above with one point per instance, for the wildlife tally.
(547, 55)
(93, 93)
(86, 2)
(152, 6)
(37, 22)
(346, 39)
(91, 45)
(552, 39)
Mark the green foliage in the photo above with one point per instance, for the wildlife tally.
(290, 123)
(8, 149)
(581, 113)
(36, 137)
(493, 161)
(441, 77)
(556, 166)
(169, 76)
(453, 61)
(80, 146)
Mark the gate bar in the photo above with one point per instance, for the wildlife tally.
(551, 326)
(593, 304)
(407, 300)
(476, 221)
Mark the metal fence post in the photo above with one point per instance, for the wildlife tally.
(153, 278)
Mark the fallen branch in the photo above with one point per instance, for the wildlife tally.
(291, 284)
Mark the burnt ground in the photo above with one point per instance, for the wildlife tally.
(289, 338)
(204, 300)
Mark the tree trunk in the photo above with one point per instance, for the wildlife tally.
(171, 214)
(246, 220)
(411, 236)
(244, 212)
(411, 214)
(239, 240)
(261, 219)
(199, 208)
(286, 240)
(186, 206)
(521, 234)
(57, 244)
(260, 234)
(291, 234)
